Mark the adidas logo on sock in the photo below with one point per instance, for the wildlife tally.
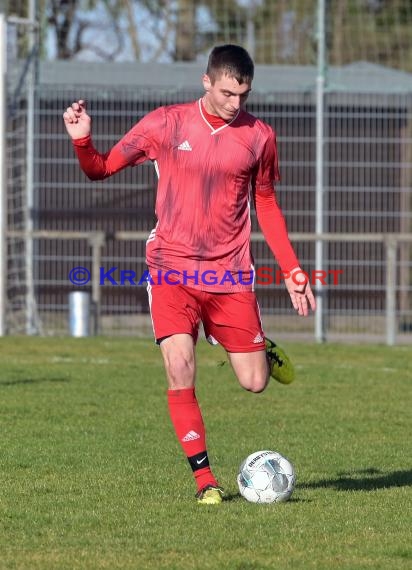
(190, 436)
(184, 146)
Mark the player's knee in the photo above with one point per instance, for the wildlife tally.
(257, 388)
(180, 370)
(255, 382)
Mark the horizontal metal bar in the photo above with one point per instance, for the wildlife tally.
(255, 236)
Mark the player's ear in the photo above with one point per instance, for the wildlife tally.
(207, 84)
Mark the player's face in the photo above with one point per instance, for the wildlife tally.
(225, 96)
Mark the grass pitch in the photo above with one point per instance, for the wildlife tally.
(93, 478)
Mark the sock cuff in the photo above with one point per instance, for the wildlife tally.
(182, 396)
(199, 461)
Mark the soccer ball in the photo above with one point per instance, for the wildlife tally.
(266, 477)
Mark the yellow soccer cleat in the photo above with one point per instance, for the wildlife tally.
(281, 368)
(210, 495)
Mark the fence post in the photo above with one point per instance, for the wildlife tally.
(320, 334)
(3, 177)
(96, 241)
(391, 246)
(32, 326)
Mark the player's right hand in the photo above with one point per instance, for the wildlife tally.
(76, 120)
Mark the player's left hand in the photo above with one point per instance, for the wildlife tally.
(298, 286)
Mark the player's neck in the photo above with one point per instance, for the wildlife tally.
(210, 110)
(211, 116)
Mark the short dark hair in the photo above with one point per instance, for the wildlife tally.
(230, 60)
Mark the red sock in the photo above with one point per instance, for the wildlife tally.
(190, 430)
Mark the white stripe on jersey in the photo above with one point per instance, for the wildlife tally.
(152, 235)
(156, 168)
(254, 278)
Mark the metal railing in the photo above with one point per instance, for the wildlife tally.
(98, 239)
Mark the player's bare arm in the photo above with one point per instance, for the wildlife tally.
(76, 120)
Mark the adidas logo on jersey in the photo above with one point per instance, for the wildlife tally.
(184, 146)
(190, 436)
(258, 338)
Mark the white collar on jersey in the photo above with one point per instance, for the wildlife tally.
(209, 125)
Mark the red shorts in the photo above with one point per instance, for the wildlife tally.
(229, 319)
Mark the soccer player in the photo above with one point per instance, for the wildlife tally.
(212, 158)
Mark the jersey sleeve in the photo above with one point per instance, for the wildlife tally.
(274, 229)
(267, 169)
(141, 143)
(269, 214)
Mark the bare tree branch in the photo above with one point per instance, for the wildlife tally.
(131, 28)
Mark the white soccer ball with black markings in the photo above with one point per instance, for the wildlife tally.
(266, 477)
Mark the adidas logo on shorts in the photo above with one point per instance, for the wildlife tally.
(190, 436)
(258, 338)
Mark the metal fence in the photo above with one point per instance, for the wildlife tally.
(367, 162)
(98, 271)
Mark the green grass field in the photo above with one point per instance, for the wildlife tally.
(93, 478)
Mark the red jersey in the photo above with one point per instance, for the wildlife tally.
(206, 175)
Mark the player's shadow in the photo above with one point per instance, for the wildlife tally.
(232, 497)
(31, 381)
(370, 479)
(238, 497)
